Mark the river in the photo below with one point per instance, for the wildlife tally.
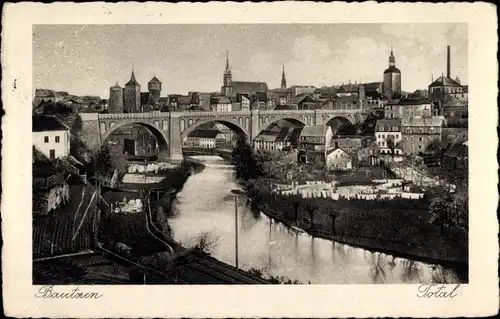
(206, 204)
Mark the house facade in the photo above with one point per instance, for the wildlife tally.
(388, 136)
(50, 136)
(338, 160)
(202, 138)
(312, 144)
(419, 133)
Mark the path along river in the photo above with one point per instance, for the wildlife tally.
(206, 205)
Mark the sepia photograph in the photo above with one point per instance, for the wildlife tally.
(285, 159)
(250, 154)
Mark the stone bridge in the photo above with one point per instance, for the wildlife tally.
(171, 128)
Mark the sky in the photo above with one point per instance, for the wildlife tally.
(88, 59)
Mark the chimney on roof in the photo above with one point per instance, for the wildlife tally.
(448, 62)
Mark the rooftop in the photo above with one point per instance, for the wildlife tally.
(42, 123)
(386, 125)
(444, 81)
(248, 87)
(313, 130)
(422, 121)
(204, 133)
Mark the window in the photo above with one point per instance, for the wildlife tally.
(57, 139)
(46, 139)
(52, 154)
(420, 139)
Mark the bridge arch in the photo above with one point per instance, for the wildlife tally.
(337, 122)
(161, 139)
(233, 125)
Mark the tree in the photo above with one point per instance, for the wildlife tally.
(391, 144)
(296, 202)
(311, 209)
(318, 162)
(438, 209)
(76, 125)
(434, 147)
(333, 215)
(248, 164)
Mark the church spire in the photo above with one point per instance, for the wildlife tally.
(228, 70)
(392, 59)
(283, 79)
(132, 81)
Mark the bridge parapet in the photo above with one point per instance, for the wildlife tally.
(287, 112)
(214, 114)
(127, 116)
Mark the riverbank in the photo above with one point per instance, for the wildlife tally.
(401, 233)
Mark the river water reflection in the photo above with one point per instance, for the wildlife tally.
(206, 205)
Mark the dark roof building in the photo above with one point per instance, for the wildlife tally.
(249, 87)
(388, 125)
(43, 123)
(204, 133)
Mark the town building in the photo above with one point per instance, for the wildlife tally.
(347, 143)
(419, 133)
(202, 138)
(306, 101)
(338, 159)
(221, 104)
(408, 107)
(50, 136)
(389, 136)
(145, 145)
(312, 144)
(456, 156)
(392, 79)
(274, 140)
(455, 111)
(444, 86)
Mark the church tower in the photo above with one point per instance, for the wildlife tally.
(132, 96)
(392, 79)
(283, 79)
(227, 82)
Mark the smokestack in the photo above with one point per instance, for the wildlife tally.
(448, 63)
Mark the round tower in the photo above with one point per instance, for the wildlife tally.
(115, 99)
(392, 79)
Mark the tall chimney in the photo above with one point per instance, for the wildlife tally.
(448, 63)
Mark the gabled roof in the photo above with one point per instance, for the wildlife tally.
(248, 87)
(452, 101)
(204, 133)
(42, 123)
(414, 100)
(132, 81)
(386, 125)
(346, 143)
(422, 121)
(444, 81)
(313, 130)
(329, 151)
(154, 80)
(267, 136)
(457, 150)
